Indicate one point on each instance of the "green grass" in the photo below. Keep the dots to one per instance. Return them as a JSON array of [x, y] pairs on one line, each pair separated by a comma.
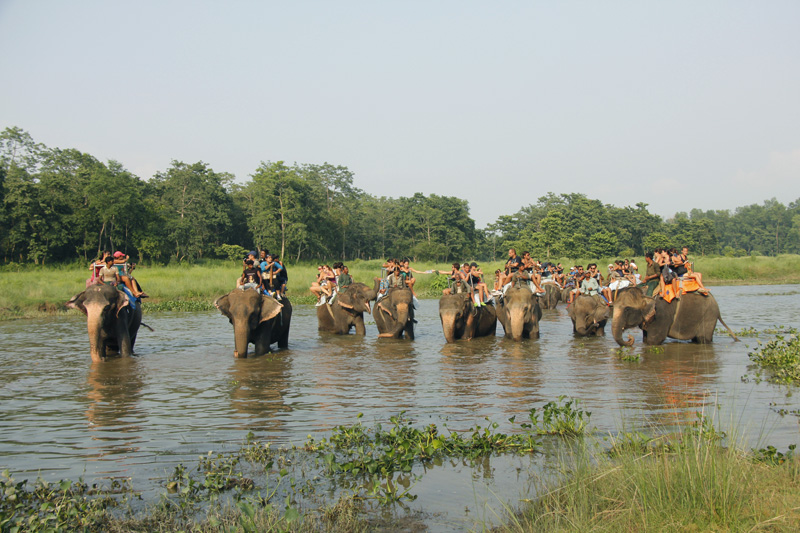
[[692, 484], [28, 291]]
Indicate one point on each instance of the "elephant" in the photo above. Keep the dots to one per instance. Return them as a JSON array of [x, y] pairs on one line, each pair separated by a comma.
[[589, 315], [551, 297], [462, 320], [112, 320], [257, 318], [519, 313], [394, 314], [347, 310], [692, 317], [565, 293]]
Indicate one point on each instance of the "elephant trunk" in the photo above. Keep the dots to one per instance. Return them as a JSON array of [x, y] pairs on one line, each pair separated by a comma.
[[617, 329], [94, 323], [517, 325], [402, 319], [449, 327], [240, 339]]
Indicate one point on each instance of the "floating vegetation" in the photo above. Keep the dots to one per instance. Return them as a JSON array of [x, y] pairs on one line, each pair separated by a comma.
[[625, 353], [358, 450], [656, 349], [565, 419], [753, 332], [771, 456], [780, 357], [60, 506]]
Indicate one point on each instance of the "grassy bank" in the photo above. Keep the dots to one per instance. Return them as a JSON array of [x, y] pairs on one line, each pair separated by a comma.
[[689, 485], [30, 291]]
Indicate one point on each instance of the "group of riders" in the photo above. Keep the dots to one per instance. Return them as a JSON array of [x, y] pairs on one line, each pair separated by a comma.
[[114, 269], [669, 274], [264, 272]]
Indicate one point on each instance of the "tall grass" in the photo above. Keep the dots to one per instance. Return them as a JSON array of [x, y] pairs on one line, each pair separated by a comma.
[[693, 484]]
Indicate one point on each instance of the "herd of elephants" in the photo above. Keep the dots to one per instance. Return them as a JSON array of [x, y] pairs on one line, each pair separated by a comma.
[[261, 320]]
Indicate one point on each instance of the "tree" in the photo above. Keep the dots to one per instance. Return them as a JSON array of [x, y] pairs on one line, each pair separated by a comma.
[[195, 207]]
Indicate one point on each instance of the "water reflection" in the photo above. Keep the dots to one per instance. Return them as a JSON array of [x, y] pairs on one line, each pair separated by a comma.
[[257, 387], [113, 412]]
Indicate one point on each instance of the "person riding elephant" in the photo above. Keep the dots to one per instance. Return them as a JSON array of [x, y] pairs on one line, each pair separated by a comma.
[[691, 317], [112, 319], [462, 320], [257, 318], [589, 314], [347, 310], [394, 313], [519, 312]]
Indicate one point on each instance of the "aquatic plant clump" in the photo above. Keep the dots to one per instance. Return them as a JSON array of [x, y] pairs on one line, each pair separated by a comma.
[[61, 506], [781, 358], [359, 450]]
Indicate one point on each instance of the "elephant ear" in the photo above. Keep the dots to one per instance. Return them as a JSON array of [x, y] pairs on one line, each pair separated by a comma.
[[345, 300], [122, 302], [76, 302], [223, 305], [387, 311], [270, 308]]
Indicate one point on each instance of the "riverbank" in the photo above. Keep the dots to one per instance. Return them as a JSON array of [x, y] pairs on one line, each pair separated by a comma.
[[31, 291]]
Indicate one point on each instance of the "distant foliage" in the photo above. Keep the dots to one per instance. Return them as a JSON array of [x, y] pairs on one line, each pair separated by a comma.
[[62, 205]]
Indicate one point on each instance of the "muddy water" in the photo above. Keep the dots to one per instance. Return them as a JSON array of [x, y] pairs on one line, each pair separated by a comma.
[[184, 394]]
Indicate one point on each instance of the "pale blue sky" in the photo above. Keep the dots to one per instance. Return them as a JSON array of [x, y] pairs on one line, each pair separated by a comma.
[[494, 102]]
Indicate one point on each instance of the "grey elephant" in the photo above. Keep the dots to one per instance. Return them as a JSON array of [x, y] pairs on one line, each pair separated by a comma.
[[551, 297], [257, 318], [565, 293], [394, 314], [519, 313], [589, 315], [347, 310], [692, 317], [462, 320], [112, 320]]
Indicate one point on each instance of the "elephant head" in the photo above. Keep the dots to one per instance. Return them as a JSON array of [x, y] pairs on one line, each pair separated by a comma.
[[347, 310], [253, 317], [394, 313], [631, 309], [520, 313], [457, 314], [110, 319], [589, 315], [356, 298]]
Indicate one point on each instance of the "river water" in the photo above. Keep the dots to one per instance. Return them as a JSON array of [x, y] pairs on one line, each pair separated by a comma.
[[185, 394]]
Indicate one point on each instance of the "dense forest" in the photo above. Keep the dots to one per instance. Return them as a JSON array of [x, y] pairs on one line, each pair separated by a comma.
[[62, 205]]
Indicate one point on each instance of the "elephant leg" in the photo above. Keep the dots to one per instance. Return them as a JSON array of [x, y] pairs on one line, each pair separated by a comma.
[[283, 340], [359, 324], [262, 345], [123, 337], [410, 328]]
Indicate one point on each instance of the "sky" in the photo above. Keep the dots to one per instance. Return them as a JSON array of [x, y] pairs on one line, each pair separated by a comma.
[[679, 104]]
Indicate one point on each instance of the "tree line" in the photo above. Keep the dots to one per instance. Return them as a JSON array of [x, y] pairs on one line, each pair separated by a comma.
[[61, 205]]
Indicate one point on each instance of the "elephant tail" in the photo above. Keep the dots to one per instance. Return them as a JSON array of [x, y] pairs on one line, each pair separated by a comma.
[[148, 327], [730, 331]]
